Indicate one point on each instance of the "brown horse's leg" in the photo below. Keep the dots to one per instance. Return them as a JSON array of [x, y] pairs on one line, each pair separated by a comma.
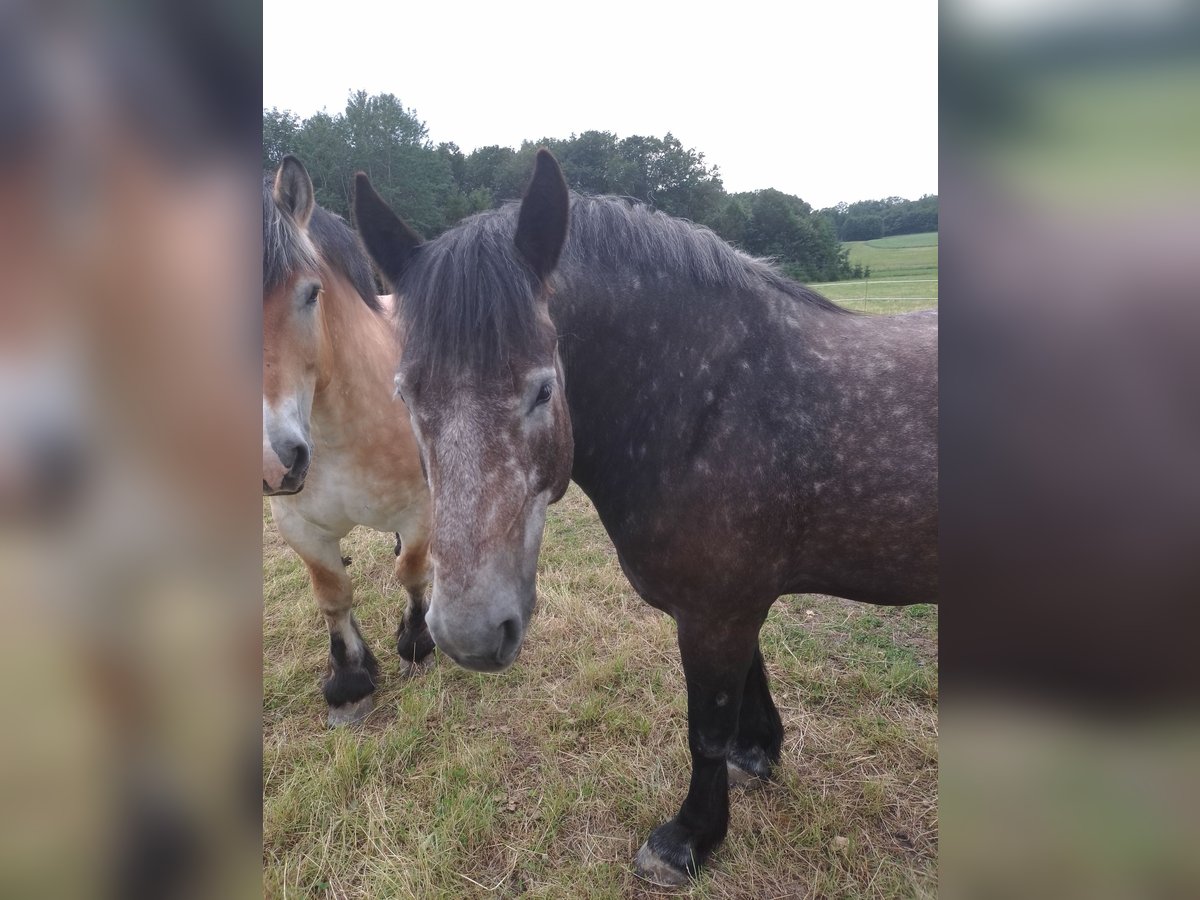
[[759, 737], [349, 685], [716, 659], [413, 641]]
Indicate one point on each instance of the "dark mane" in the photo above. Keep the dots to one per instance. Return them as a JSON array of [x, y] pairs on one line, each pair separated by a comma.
[[285, 250], [624, 235], [471, 301]]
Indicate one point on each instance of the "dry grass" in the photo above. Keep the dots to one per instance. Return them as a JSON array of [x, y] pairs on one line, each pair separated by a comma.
[[543, 782]]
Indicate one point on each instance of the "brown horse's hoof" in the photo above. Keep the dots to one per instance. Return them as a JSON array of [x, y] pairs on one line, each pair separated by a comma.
[[649, 866], [350, 713], [414, 646]]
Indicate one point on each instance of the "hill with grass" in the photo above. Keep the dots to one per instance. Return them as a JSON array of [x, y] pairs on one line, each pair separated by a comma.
[[903, 274]]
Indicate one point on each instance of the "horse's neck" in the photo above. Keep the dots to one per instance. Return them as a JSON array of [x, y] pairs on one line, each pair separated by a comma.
[[610, 318], [631, 349], [356, 385]]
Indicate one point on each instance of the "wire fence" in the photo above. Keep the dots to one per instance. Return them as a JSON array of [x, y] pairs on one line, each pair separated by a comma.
[[867, 282]]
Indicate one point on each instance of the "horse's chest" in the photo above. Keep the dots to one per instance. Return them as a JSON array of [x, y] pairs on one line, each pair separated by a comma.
[[345, 494]]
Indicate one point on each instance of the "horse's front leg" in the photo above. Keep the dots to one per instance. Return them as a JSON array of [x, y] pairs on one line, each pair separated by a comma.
[[349, 685], [413, 641], [716, 658]]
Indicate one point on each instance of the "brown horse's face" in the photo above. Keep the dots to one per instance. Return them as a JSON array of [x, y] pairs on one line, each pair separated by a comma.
[[496, 455], [292, 351], [294, 343]]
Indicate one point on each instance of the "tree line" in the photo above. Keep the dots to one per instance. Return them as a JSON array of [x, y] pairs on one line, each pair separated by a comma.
[[434, 186], [870, 219]]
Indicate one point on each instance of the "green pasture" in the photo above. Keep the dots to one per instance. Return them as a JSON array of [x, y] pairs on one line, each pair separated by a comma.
[[904, 275]]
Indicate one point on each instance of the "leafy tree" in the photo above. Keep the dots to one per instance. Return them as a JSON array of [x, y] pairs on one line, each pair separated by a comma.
[[454, 158], [586, 159], [862, 228], [897, 216], [730, 221], [783, 226], [435, 186], [323, 146], [279, 136], [379, 136], [511, 175], [482, 166], [665, 174]]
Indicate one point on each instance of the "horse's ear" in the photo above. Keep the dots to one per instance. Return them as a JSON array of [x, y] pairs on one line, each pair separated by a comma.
[[389, 240], [293, 190], [542, 224]]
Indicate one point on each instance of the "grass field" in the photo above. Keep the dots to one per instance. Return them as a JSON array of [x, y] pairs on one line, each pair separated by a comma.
[[901, 256], [904, 274], [544, 781]]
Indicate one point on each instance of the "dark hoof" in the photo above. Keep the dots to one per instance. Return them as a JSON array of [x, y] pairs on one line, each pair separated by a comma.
[[414, 646], [748, 767], [350, 713], [351, 684], [667, 858]]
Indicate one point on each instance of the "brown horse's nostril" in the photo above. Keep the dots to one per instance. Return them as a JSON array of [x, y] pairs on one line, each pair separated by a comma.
[[293, 455], [299, 463]]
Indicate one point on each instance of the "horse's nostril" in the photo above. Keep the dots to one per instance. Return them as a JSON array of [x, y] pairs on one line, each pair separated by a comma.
[[300, 462], [510, 638]]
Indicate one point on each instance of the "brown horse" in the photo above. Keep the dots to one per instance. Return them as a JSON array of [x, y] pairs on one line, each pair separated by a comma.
[[740, 436], [337, 447]]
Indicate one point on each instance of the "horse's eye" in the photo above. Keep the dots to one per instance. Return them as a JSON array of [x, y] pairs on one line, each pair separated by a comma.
[[544, 394], [314, 294]]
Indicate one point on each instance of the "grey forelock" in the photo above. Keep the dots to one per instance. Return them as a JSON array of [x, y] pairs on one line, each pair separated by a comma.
[[468, 303]]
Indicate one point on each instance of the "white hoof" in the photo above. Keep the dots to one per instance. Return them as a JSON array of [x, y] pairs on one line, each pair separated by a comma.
[[349, 713], [750, 769], [651, 867], [740, 778]]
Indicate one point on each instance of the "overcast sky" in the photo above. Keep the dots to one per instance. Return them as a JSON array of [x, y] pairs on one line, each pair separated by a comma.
[[828, 101]]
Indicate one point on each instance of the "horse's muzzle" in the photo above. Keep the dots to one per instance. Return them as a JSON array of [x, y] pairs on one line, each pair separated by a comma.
[[486, 649], [294, 460]]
